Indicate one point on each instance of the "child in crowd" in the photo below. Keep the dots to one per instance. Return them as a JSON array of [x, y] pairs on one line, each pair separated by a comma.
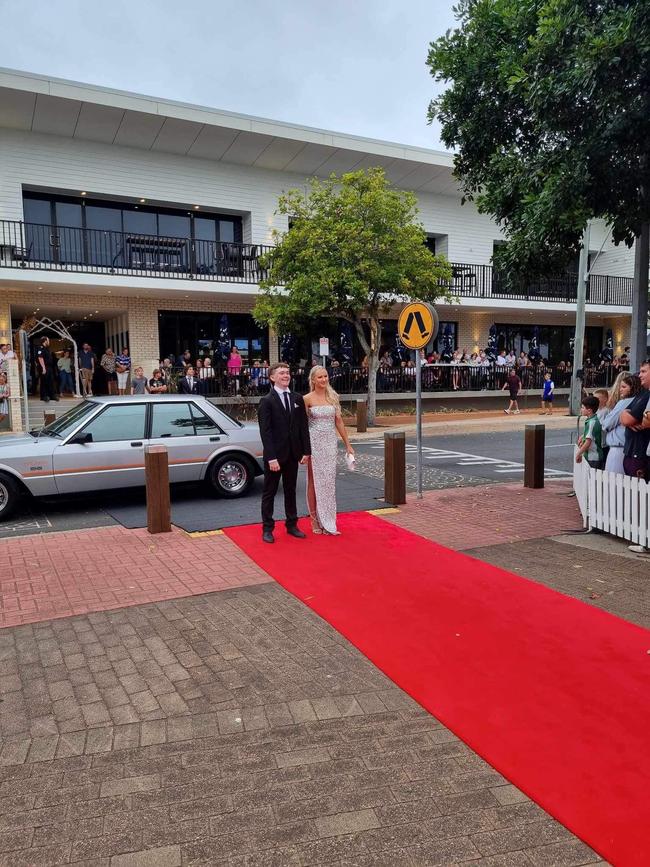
[[5, 392], [589, 444], [547, 395], [603, 399], [139, 382]]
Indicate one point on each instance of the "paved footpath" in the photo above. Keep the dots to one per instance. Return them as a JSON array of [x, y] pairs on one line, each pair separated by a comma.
[[162, 702]]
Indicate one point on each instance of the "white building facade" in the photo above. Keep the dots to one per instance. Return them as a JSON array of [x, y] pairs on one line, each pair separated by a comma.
[[138, 221]]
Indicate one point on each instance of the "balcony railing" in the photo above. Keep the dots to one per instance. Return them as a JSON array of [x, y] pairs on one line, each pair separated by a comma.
[[348, 379], [96, 251]]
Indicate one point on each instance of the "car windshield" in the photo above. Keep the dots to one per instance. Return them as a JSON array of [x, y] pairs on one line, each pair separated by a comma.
[[67, 422]]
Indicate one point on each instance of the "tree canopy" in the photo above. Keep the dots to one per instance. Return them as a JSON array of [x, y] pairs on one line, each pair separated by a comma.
[[548, 108], [353, 250]]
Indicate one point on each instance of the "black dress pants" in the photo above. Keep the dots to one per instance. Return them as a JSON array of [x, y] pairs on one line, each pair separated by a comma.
[[289, 474], [47, 385]]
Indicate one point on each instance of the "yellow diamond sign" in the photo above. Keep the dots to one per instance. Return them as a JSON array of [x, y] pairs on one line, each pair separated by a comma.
[[417, 325]]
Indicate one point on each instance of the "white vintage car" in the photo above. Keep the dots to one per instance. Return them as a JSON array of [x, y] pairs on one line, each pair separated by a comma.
[[99, 445]]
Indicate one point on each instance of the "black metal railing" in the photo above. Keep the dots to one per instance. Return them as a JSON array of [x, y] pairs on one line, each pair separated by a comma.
[[485, 281], [96, 251], [254, 381], [44, 247]]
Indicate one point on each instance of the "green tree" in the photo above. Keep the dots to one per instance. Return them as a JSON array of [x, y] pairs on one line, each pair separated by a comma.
[[354, 250], [548, 108]]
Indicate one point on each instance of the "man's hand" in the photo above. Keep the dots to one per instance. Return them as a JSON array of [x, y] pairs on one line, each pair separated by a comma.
[[274, 466], [304, 459], [578, 458]]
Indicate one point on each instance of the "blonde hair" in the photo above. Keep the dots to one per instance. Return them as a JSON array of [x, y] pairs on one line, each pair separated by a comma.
[[330, 395]]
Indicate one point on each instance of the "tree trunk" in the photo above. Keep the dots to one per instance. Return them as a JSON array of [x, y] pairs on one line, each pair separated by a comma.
[[639, 324], [373, 367]]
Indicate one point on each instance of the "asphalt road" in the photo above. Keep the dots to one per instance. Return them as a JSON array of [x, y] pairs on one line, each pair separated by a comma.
[[448, 461], [493, 456]]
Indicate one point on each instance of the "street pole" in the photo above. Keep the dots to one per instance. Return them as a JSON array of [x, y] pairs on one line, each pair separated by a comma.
[[639, 325], [418, 419], [578, 346]]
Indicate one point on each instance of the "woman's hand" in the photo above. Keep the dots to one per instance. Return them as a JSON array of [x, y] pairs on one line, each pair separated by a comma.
[[350, 451]]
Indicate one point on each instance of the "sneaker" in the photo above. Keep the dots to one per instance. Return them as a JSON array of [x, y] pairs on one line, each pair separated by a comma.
[[517, 412], [507, 411], [638, 549]]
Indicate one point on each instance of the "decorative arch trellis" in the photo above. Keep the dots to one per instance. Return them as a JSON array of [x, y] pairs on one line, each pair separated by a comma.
[[34, 326]]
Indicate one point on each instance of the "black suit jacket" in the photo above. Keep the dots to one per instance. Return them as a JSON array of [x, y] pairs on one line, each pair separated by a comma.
[[284, 436], [184, 386]]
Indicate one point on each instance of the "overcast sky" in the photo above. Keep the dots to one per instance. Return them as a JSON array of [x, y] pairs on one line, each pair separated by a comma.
[[354, 66]]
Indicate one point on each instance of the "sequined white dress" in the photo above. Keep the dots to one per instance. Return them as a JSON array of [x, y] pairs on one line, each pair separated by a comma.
[[322, 473]]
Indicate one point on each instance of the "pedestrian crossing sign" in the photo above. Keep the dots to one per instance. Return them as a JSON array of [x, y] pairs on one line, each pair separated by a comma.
[[417, 325]]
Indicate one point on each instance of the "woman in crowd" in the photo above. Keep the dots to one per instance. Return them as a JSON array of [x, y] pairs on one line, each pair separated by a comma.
[[123, 368], [5, 394], [325, 420], [234, 367], [626, 387], [107, 364], [64, 365]]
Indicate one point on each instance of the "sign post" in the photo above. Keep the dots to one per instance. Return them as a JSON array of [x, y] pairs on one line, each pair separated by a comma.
[[417, 327], [324, 344]]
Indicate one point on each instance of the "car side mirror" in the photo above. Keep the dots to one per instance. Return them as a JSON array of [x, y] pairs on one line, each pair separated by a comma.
[[81, 439]]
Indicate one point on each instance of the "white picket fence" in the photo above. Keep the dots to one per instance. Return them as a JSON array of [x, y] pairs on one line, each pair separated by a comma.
[[614, 503]]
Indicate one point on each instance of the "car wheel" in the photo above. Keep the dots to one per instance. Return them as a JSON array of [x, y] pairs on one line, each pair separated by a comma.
[[9, 496], [231, 476]]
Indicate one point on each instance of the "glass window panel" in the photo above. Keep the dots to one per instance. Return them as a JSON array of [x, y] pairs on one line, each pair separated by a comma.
[[172, 226], [38, 231], [118, 423], [226, 230], [105, 242], [140, 222], [172, 420], [68, 233], [37, 211], [203, 423], [205, 229]]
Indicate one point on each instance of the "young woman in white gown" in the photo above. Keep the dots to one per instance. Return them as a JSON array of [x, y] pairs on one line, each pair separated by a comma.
[[324, 415]]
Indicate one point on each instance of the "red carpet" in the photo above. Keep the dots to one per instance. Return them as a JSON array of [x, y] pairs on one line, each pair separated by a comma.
[[553, 693]]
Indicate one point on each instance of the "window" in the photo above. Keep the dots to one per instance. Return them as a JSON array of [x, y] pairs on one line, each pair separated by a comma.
[[118, 423], [430, 244], [172, 420], [204, 425]]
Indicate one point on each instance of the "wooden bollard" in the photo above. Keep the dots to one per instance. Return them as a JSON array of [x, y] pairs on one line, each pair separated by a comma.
[[362, 416], [534, 455], [395, 468], [49, 417], [156, 470]]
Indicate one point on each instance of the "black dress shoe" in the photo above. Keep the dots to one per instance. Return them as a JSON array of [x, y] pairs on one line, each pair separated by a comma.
[[267, 536], [294, 531]]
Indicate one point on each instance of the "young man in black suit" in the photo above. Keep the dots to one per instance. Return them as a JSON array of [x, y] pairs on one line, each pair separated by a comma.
[[285, 436], [188, 384]]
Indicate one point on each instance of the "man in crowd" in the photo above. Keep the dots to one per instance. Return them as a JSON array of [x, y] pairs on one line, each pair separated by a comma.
[[636, 420], [188, 384], [87, 368], [45, 363]]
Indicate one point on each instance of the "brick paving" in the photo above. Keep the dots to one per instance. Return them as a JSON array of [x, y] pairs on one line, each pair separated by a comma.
[[164, 724], [59, 574], [462, 518], [237, 728]]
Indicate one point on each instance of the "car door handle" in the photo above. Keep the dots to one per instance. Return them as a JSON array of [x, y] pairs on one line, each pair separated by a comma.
[[135, 445], [215, 439]]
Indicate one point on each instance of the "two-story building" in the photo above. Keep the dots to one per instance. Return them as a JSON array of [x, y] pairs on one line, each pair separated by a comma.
[[139, 221]]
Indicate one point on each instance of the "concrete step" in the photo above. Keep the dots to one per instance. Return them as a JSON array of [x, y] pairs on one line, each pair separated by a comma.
[[37, 409]]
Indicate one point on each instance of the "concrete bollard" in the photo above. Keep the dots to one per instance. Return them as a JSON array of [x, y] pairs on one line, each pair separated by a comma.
[[395, 468], [534, 455], [362, 416], [156, 470]]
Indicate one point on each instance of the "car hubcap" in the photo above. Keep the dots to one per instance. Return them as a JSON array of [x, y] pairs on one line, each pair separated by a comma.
[[4, 497], [232, 477]]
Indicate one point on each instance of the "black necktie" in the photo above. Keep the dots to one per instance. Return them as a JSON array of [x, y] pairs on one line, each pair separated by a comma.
[[287, 405]]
